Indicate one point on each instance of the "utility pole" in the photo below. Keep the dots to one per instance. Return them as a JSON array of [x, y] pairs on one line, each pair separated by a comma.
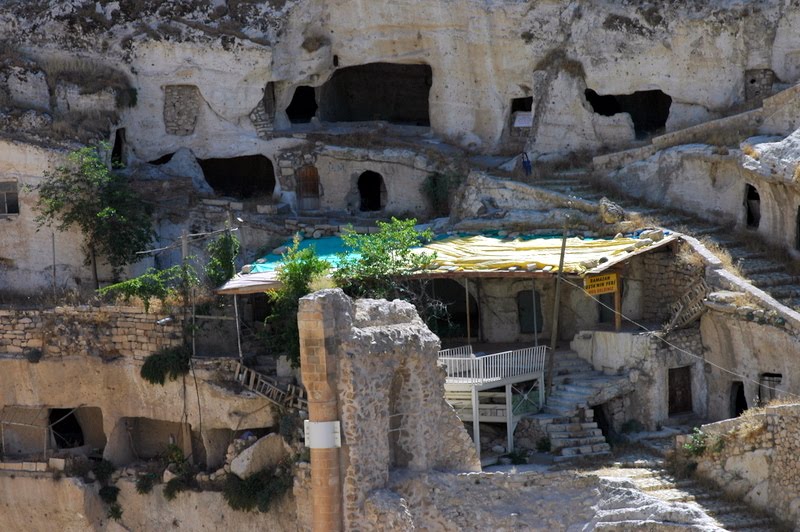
[[556, 308]]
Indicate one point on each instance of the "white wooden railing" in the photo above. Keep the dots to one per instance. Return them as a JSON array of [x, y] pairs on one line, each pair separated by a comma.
[[466, 368]]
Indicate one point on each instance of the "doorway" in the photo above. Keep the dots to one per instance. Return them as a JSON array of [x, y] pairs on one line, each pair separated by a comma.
[[308, 190], [738, 399], [679, 382], [65, 428], [752, 205], [371, 191]]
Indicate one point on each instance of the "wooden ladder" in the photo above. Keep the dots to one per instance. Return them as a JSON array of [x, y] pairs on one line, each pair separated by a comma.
[[288, 396]]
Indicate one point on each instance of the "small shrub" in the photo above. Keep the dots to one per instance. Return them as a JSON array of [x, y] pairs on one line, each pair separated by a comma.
[[680, 464], [177, 485], [103, 470], [169, 363], [518, 457], [78, 467], [543, 445], [153, 284], [145, 483], [439, 189], [288, 425], [718, 445], [750, 151], [221, 264], [115, 511], [33, 355], [259, 490], [696, 445], [109, 494]]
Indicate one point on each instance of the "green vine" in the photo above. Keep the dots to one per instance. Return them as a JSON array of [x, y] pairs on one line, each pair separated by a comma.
[[171, 363], [221, 264], [260, 490], [154, 284], [439, 188]]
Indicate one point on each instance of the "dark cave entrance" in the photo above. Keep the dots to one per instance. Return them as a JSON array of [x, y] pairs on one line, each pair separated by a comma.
[[378, 91], [303, 106], [738, 399], [649, 110], [454, 324], [752, 204], [118, 151], [240, 177], [371, 191], [65, 428]]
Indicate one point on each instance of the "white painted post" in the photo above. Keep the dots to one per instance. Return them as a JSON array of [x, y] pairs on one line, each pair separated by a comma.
[[476, 425], [509, 420]]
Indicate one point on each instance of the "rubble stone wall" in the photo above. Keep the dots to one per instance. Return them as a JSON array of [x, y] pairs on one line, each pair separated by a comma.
[[666, 279], [754, 458], [181, 103], [105, 332], [390, 396]]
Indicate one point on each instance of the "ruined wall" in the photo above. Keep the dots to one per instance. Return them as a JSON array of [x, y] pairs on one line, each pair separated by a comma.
[[666, 277], [381, 359], [754, 458]]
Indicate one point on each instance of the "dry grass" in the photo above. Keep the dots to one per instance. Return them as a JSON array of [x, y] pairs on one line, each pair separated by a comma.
[[796, 173], [723, 255], [750, 151]]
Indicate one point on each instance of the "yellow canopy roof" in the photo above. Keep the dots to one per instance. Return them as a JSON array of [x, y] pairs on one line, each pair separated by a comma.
[[481, 253]]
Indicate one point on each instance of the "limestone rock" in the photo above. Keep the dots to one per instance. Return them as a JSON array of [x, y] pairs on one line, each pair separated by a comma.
[[266, 452], [184, 164], [610, 212]]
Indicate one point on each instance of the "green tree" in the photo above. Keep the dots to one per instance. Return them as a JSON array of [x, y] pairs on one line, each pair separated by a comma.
[[376, 264], [115, 222], [222, 253], [298, 270]]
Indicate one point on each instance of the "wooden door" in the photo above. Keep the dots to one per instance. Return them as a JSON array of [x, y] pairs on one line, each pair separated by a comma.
[[680, 390], [308, 188]]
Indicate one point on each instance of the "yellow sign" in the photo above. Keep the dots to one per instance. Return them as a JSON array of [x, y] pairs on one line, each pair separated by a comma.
[[601, 284]]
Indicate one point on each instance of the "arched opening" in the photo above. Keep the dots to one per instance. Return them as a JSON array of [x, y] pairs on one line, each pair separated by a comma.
[[371, 191], [649, 110], [66, 430], [452, 296], [303, 106], [752, 205], [118, 151], [738, 399], [308, 188], [529, 312], [378, 91], [240, 177]]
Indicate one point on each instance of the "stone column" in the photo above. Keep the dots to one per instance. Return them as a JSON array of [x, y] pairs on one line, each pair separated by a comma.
[[316, 320]]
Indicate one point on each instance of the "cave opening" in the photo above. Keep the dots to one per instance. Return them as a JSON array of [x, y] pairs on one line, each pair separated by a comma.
[[65, 428], [649, 110], [118, 151], [395, 93], [371, 191], [303, 106], [249, 176], [752, 204]]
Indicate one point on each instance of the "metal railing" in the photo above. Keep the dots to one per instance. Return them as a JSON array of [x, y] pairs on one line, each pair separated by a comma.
[[469, 369], [461, 351]]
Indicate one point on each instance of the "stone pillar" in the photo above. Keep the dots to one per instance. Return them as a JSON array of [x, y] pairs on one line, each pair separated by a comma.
[[316, 320]]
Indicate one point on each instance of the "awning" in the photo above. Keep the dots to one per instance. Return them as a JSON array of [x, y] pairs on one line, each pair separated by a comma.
[[476, 256]]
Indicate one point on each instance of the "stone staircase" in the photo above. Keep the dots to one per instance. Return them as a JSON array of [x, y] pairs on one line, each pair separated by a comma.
[[760, 268], [568, 418], [650, 476]]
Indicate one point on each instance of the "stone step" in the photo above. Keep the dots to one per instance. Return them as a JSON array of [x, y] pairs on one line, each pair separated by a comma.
[[753, 266], [744, 521], [578, 425], [784, 292], [584, 433], [586, 449], [741, 252], [661, 483], [773, 279], [565, 403], [564, 458], [572, 393], [559, 410], [563, 443], [706, 230]]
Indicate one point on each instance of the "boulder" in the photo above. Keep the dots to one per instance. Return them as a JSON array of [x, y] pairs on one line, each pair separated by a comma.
[[269, 451]]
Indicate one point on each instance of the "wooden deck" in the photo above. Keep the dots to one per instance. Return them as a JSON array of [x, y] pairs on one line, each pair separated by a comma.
[[498, 387]]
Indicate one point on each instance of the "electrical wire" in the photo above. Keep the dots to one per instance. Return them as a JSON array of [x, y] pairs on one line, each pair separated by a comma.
[[680, 349]]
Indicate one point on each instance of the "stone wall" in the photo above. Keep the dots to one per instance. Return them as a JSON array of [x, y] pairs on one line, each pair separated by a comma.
[[381, 359], [181, 109], [648, 360], [106, 332], [666, 279], [755, 458]]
